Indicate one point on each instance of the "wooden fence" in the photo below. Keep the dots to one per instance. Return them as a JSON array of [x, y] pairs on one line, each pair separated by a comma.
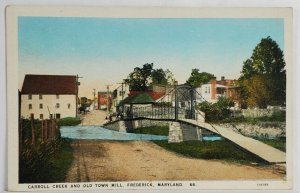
[[38, 132]]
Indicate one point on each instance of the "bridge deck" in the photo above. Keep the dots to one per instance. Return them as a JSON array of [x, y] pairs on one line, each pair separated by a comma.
[[262, 150]]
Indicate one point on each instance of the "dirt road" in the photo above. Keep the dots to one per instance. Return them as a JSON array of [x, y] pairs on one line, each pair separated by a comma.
[[143, 160], [95, 117]]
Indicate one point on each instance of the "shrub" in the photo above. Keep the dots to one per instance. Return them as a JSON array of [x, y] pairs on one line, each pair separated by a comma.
[[69, 121], [216, 111]]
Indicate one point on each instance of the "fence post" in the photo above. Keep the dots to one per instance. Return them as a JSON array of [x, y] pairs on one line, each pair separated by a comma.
[[20, 134], [32, 130], [50, 129], [46, 130], [53, 128], [42, 130]]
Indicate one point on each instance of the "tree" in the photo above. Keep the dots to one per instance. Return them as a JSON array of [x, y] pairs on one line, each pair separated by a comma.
[[258, 92], [159, 76], [139, 78], [266, 69], [197, 78]]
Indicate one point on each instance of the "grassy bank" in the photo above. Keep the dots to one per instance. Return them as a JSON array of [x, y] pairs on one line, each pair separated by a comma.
[[69, 121], [154, 130], [220, 150], [47, 163], [61, 162]]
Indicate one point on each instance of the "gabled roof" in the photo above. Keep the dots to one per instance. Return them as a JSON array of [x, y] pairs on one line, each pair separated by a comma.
[[153, 95], [49, 84], [141, 98]]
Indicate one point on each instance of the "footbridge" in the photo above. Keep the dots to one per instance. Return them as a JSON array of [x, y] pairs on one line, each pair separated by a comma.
[[262, 150], [179, 105]]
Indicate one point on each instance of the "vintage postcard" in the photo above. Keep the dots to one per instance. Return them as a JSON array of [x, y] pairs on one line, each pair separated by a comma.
[[149, 98]]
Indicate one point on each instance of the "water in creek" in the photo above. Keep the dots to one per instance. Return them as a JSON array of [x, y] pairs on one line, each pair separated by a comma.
[[97, 132]]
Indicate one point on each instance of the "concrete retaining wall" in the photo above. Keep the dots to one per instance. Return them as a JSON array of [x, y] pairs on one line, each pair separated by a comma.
[[178, 131]]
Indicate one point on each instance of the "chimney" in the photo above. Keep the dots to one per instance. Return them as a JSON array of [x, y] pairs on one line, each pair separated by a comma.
[[222, 78]]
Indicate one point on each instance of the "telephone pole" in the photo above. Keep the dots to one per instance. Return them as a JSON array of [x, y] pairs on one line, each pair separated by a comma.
[[107, 101], [122, 91], [94, 99], [77, 84]]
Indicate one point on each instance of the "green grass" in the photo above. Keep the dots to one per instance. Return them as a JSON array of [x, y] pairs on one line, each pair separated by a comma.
[[153, 130], [276, 143], [47, 163], [69, 121], [211, 150], [61, 162]]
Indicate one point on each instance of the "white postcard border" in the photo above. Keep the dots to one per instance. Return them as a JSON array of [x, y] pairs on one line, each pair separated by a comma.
[[140, 12]]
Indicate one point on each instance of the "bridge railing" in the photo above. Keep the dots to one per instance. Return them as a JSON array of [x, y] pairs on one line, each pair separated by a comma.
[[157, 112]]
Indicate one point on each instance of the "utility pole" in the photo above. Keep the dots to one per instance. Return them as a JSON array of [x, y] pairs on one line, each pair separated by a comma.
[[176, 100], [77, 84], [107, 102], [94, 105], [122, 83]]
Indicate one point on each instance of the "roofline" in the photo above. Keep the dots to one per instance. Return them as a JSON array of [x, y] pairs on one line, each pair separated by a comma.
[[48, 93], [49, 75]]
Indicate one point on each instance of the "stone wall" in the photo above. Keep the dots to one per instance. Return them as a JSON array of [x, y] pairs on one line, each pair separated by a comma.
[[258, 112], [260, 130], [179, 132], [175, 133], [189, 132], [149, 123], [116, 126], [129, 125]]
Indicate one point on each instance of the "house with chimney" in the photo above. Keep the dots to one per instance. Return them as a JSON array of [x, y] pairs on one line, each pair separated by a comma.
[[214, 89], [49, 96]]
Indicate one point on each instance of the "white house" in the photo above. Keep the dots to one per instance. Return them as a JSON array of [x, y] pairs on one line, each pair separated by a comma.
[[119, 94], [46, 96], [211, 91]]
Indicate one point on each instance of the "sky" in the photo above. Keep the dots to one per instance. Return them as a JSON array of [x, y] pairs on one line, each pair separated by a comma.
[[105, 50]]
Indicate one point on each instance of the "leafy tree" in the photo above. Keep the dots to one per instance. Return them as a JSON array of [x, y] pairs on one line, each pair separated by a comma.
[[170, 77], [264, 72], [197, 78], [159, 76], [258, 92], [139, 78]]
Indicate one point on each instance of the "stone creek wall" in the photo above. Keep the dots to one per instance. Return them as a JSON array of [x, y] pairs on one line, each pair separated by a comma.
[[261, 130], [129, 125], [178, 131]]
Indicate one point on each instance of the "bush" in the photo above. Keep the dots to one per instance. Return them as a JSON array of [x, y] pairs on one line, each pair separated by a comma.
[[215, 112], [69, 121]]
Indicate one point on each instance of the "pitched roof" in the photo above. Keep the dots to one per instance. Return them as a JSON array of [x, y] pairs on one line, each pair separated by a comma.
[[49, 84], [152, 94], [141, 98]]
